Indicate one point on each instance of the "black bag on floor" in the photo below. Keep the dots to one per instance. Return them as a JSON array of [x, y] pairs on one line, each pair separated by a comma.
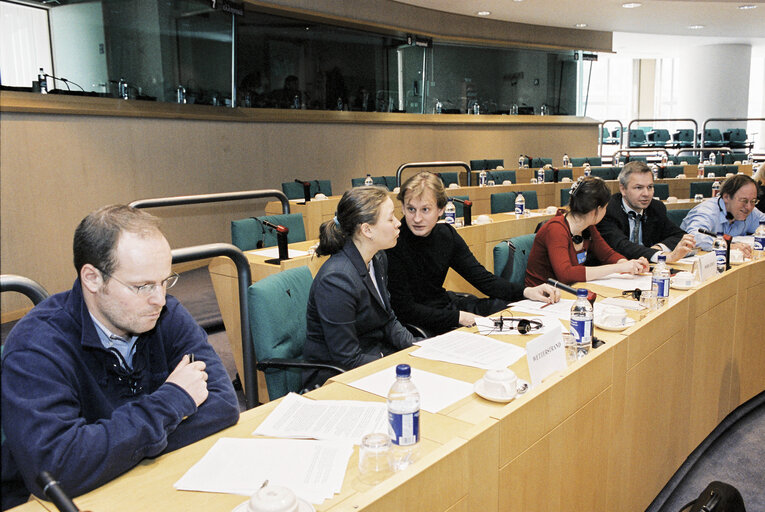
[[718, 497]]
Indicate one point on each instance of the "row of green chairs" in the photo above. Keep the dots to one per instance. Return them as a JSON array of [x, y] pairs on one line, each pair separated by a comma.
[[505, 201], [594, 161], [294, 190]]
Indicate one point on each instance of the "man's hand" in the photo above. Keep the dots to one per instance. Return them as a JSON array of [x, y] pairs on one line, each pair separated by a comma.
[[467, 319], [192, 378], [542, 293], [681, 250], [744, 248]]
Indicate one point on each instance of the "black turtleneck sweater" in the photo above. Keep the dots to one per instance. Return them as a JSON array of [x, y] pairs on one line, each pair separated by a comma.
[[417, 268]]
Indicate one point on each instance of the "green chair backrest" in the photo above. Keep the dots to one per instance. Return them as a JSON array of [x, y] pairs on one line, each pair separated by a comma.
[[701, 187], [605, 173], [729, 158], [735, 135], [480, 165], [712, 135], [678, 215], [672, 171], [637, 138], [540, 162], [390, 182], [635, 158], [459, 208], [565, 196], [718, 170], [503, 202], [531, 199], [562, 173], [501, 176], [660, 136], [376, 180], [578, 162], [661, 190], [449, 177], [277, 309], [690, 159], [246, 233], [512, 256], [294, 190]]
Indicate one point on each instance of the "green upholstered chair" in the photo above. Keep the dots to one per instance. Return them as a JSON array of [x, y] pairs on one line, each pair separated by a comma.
[[500, 176], [595, 161], [635, 158], [701, 187], [376, 180], [390, 182], [511, 258], [661, 190], [247, 233], [637, 139], [678, 215], [713, 138], [503, 202], [536, 163], [659, 137], [673, 171], [736, 138], [729, 158], [449, 177], [718, 170], [277, 310], [565, 196], [578, 162], [531, 199], [690, 159], [605, 173], [294, 190], [683, 138], [562, 173], [485, 165]]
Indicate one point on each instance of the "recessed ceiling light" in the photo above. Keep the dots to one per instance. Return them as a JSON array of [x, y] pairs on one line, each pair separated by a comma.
[[483, 13], [517, 0], [631, 5], [747, 7], [695, 27], [580, 25]]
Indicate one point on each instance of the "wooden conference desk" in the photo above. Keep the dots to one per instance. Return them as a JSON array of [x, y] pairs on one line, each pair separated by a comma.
[[605, 434]]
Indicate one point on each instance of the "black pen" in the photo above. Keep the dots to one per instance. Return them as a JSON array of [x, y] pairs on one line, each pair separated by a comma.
[[192, 358]]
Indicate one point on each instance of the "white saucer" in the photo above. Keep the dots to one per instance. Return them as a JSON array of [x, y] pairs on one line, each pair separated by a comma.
[[480, 391], [303, 506], [740, 262], [629, 322], [676, 286]]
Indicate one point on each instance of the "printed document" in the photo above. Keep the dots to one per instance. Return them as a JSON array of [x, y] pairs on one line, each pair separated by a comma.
[[469, 349]]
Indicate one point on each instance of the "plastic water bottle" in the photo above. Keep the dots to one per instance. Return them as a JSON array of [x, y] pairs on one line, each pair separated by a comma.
[[660, 281], [482, 178], [655, 171], [403, 417], [664, 160], [541, 175], [43, 81], [566, 160], [720, 248], [450, 212], [712, 158], [716, 188], [439, 106], [759, 242], [581, 323], [700, 174], [521, 162], [476, 108], [587, 169], [368, 181], [520, 204], [616, 160], [514, 109]]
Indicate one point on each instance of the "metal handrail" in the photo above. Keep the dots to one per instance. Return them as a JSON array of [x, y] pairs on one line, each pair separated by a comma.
[[642, 150], [670, 120], [159, 202], [432, 164], [201, 252], [600, 137], [32, 289], [734, 119]]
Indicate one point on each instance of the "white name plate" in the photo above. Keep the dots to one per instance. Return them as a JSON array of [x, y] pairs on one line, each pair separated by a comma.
[[546, 355], [705, 266]]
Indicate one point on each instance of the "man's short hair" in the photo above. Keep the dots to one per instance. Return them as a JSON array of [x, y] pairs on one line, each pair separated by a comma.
[[734, 183], [636, 166], [96, 237], [422, 181]]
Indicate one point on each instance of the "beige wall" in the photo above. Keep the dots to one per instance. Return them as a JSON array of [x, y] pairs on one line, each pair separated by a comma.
[[54, 169]]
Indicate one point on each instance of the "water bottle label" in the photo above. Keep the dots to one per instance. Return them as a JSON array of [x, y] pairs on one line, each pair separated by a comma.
[[519, 207], [581, 329], [587, 171], [404, 428], [661, 285], [481, 180], [759, 243], [720, 254], [450, 217]]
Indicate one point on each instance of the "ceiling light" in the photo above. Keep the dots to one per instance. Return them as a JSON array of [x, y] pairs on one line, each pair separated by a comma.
[[695, 27], [580, 25], [483, 13], [631, 5], [747, 7], [517, 0]]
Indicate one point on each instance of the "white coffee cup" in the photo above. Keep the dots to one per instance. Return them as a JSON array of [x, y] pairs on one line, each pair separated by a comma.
[[453, 185], [396, 190], [320, 196], [736, 256], [500, 168], [680, 177], [737, 162], [683, 163], [273, 498], [507, 182], [565, 179], [551, 210], [671, 199], [729, 174], [612, 316], [500, 382], [684, 279], [483, 219]]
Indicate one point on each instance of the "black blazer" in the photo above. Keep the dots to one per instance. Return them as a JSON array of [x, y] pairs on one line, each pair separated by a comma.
[[347, 323], [657, 228]]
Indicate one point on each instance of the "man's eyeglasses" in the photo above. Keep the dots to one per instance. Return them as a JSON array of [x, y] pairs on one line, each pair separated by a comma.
[[744, 201], [146, 290]]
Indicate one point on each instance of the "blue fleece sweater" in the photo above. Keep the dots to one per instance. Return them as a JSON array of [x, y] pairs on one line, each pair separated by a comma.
[[68, 407]]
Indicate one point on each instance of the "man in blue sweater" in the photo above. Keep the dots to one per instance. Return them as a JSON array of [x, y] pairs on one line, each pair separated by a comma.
[[99, 377]]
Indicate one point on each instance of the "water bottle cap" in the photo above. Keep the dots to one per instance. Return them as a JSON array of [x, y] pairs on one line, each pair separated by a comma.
[[581, 292], [403, 370], [719, 233], [663, 257]]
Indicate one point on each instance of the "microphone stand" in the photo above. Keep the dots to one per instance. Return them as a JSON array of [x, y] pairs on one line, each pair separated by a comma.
[[281, 241], [306, 189], [467, 206], [728, 241]]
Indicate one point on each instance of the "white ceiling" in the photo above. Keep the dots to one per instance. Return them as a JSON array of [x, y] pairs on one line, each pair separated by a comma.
[[723, 21]]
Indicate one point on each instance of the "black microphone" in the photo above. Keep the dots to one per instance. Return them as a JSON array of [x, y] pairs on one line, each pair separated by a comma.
[[705, 231], [467, 206], [53, 491], [306, 189], [591, 296], [281, 239]]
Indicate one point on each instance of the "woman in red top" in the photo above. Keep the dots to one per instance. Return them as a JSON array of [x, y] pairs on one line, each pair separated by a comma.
[[569, 248]]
